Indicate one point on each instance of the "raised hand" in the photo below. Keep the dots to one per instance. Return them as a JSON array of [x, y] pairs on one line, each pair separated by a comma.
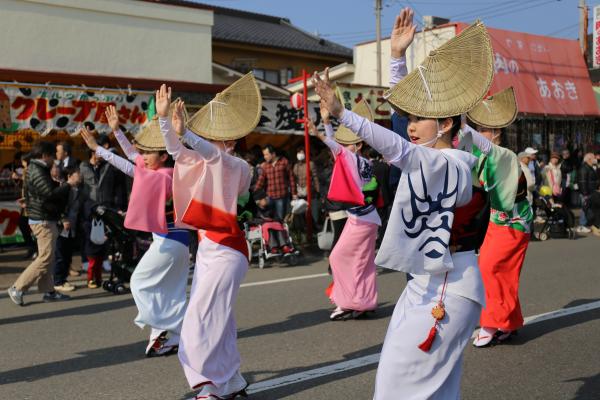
[[324, 113], [112, 117], [178, 118], [163, 101], [403, 33], [325, 91], [88, 138], [314, 131]]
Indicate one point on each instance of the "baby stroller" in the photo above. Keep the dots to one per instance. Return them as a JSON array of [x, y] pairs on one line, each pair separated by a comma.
[[558, 221], [258, 244], [125, 248]]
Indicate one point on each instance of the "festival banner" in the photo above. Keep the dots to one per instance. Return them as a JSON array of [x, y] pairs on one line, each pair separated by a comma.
[[549, 74], [43, 108], [9, 223], [353, 94], [279, 117]]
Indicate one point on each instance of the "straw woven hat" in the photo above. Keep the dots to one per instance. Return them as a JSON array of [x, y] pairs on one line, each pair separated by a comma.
[[497, 111], [232, 114], [345, 135], [150, 138], [451, 80]]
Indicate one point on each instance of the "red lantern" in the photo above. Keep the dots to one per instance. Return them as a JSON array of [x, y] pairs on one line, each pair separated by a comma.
[[297, 101]]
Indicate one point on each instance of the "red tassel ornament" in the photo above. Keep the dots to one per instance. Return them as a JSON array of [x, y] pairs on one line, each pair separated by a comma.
[[426, 345], [438, 312]]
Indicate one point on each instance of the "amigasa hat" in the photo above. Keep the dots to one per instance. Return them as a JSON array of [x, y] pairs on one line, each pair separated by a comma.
[[150, 138], [232, 114], [451, 80], [496, 111], [344, 135]]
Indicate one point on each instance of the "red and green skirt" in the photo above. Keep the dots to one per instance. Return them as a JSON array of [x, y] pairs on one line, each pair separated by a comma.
[[500, 261]]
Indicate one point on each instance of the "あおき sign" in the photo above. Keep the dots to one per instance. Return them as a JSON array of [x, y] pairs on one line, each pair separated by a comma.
[[42, 108]]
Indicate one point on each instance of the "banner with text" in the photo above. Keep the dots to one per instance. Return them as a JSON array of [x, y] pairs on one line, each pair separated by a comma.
[[44, 108]]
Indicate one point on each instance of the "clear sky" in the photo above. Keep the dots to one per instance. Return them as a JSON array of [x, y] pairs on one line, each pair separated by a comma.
[[353, 21]]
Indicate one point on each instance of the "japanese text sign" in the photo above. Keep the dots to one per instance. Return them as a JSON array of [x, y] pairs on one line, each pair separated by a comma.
[[42, 109], [549, 75]]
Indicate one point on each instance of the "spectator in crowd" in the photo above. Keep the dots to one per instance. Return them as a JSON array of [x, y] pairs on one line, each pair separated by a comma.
[[250, 158], [381, 171], [67, 233], [597, 155], [587, 182], [534, 166], [14, 167], [299, 171], [524, 159], [55, 173], [278, 180], [594, 214], [44, 200], [23, 218], [552, 176], [568, 170], [65, 160], [64, 157], [100, 188]]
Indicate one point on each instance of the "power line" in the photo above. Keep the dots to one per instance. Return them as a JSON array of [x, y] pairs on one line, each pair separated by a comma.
[[566, 28], [488, 17], [478, 11]]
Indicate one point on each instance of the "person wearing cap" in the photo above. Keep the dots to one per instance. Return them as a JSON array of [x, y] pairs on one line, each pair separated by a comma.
[[534, 166], [503, 250], [158, 283], [208, 181], [552, 176], [433, 220], [352, 259]]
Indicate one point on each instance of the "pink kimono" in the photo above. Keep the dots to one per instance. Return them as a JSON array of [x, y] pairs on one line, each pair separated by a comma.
[[206, 186], [352, 259]]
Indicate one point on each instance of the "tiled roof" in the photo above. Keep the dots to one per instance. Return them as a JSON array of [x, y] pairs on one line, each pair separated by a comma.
[[263, 30]]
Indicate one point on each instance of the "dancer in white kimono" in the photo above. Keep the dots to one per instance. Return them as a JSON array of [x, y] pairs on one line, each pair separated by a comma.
[[432, 215]]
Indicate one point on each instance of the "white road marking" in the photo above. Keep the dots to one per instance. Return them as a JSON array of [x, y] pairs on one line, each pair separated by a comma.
[[374, 358], [83, 284], [313, 373], [295, 278]]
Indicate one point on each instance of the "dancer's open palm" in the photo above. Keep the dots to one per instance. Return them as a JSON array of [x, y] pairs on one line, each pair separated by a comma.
[[403, 32], [163, 100], [326, 92], [88, 138], [112, 117], [178, 118]]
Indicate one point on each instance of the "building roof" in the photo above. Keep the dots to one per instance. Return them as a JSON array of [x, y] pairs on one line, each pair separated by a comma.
[[264, 30]]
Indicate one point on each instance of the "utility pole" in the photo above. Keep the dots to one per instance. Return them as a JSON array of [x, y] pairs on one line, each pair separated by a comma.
[[378, 29], [583, 27]]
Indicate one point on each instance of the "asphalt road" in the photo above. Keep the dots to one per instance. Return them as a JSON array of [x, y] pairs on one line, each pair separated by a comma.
[[88, 348]]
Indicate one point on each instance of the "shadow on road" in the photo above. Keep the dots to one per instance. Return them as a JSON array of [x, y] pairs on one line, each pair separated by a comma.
[[306, 320], [87, 360], [590, 389], [72, 311], [539, 329]]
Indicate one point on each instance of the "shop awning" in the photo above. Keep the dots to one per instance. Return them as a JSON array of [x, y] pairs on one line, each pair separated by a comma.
[[549, 74]]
